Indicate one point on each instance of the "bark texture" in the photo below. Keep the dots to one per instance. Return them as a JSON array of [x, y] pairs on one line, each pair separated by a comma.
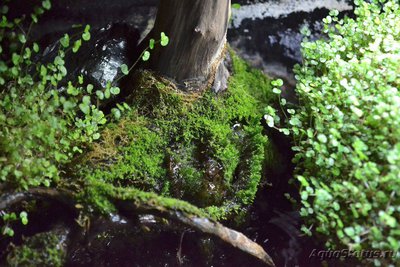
[[197, 31]]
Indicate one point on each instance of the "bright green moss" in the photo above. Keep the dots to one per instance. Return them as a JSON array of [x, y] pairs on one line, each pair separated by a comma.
[[139, 197], [251, 80], [206, 149], [138, 164]]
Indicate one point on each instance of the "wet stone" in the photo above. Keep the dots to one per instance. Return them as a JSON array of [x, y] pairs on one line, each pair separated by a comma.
[[99, 59]]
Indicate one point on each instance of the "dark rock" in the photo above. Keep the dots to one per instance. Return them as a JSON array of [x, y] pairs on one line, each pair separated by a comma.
[[99, 59]]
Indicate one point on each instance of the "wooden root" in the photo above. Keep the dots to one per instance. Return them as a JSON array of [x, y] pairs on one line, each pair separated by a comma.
[[65, 198], [202, 224], [230, 236]]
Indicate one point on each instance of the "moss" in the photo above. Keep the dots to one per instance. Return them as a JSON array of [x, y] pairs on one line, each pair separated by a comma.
[[139, 155], [252, 80], [139, 197], [44, 249], [206, 149]]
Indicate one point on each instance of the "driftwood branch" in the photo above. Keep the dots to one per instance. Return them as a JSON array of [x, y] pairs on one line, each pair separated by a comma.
[[63, 197], [230, 236], [181, 213], [202, 224]]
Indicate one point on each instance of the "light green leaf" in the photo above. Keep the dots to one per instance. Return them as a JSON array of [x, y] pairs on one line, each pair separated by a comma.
[[34, 18], [8, 231], [126, 106], [86, 36], [276, 91], [86, 100], [96, 136], [107, 93], [63, 71], [236, 6], [357, 111], [35, 47], [349, 231], [115, 90], [65, 41], [89, 88], [278, 82], [46, 4], [322, 138], [43, 71], [295, 122], [146, 56], [116, 112], [270, 120], [58, 61], [124, 69], [24, 217], [22, 38], [285, 131], [85, 108], [100, 94], [76, 46], [15, 58], [151, 43], [164, 39]]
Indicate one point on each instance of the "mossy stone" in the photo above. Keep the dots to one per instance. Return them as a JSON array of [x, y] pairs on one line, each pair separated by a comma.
[[207, 148]]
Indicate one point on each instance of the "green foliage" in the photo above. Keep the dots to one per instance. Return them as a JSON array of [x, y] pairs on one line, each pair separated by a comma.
[[347, 129], [207, 149], [41, 129], [145, 55], [7, 219], [44, 249], [44, 120], [253, 81]]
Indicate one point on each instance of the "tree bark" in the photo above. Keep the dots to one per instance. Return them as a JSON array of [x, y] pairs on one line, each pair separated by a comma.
[[197, 32]]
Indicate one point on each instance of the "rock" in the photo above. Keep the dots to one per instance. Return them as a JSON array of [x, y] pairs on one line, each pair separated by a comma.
[[99, 59]]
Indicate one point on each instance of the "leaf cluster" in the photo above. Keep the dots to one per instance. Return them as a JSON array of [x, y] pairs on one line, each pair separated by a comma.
[[45, 120], [347, 129]]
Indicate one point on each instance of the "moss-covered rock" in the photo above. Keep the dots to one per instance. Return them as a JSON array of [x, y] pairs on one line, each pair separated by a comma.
[[206, 149]]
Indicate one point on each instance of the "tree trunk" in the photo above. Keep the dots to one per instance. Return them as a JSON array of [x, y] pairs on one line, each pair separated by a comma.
[[197, 32]]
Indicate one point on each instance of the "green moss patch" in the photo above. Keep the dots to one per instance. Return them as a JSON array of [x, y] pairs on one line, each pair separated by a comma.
[[206, 149]]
